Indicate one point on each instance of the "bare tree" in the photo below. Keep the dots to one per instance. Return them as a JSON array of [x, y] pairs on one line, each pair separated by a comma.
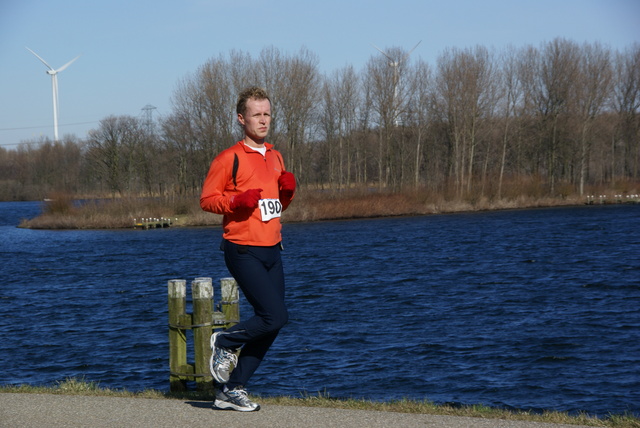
[[330, 128], [296, 101], [510, 100], [243, 72], [389, 89], [202, 122], [626, 102], [340, 107], [418, 108], [590, 95], [270, 74], [112, 149], [465, 92], [214, 108], [554, 76], [179, 146]]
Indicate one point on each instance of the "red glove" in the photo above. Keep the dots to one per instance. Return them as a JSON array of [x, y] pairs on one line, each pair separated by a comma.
[[287, 183], [248, 200]]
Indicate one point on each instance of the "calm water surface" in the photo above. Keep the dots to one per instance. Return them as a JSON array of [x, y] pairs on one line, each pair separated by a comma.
[[533, 309]]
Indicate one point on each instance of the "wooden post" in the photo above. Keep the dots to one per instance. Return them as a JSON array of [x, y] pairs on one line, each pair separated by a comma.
[[177, 335], [202, 322], [202, 293], [230, 302]]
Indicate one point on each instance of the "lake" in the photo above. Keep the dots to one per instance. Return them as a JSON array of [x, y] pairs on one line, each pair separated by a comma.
[[521, 309]]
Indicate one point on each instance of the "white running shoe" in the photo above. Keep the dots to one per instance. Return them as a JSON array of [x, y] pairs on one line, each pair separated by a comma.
[[234, 399], [221, 361]]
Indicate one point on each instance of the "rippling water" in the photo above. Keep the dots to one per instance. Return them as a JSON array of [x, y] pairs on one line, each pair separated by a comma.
[[531, 309]]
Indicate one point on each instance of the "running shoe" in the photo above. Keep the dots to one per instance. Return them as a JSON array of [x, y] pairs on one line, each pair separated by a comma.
[[221, 361], [234, 399]]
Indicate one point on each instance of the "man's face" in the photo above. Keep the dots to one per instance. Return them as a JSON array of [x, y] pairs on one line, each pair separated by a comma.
[[256, 119]]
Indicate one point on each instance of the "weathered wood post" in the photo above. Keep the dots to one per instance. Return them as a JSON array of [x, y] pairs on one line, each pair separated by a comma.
[[177, 335], [229, 303], [202, 294], [201, 322]]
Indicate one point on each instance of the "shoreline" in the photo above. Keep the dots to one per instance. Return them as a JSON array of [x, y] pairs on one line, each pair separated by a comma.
[[51, 410], [80, 394], [151, 213]]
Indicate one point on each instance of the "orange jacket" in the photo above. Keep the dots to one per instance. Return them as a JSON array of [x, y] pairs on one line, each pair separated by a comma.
[[254, 172]]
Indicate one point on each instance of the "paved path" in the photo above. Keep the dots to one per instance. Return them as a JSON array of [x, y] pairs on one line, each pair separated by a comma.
[[53, 411]]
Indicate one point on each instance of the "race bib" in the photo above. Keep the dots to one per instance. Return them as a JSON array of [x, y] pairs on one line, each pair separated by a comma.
[[270, 209]]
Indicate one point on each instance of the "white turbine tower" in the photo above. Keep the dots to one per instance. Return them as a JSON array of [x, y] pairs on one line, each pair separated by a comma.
[[54, 84], [395, 63]]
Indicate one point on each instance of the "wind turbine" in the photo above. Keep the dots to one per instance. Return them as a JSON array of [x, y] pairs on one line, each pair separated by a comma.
[[54, 84], [395, 63]]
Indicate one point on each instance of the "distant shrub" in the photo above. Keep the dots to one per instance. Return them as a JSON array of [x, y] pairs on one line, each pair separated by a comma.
[[58, 203]]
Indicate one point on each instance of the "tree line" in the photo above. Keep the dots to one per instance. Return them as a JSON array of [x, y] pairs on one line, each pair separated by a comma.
[[560, 117]]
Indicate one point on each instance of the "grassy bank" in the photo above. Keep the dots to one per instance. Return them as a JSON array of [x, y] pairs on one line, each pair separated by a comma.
[[81, 387], [63, 212]]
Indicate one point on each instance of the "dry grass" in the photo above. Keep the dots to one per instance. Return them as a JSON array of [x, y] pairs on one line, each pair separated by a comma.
[[63, 212], [319, 205]]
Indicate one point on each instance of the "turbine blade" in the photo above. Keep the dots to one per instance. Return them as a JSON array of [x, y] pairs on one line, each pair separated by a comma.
[[414, 48], [37, 56], [382, 52], [68, 64]]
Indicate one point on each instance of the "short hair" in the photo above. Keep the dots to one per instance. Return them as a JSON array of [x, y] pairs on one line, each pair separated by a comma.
[[254, 92]]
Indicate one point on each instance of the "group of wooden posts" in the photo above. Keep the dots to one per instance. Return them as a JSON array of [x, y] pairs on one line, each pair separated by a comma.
[[201, 322], [151, 223]]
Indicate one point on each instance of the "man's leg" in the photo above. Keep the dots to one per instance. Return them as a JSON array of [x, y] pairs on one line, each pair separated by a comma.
[[259, 273]]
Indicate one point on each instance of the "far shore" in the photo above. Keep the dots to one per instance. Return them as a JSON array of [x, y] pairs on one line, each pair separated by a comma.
[[64, 212]]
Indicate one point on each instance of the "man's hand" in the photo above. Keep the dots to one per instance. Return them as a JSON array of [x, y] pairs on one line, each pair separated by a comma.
[[287, 183], [246, 200]]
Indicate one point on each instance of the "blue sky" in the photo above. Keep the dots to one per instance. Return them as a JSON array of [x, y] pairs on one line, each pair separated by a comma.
[[135, 52]]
